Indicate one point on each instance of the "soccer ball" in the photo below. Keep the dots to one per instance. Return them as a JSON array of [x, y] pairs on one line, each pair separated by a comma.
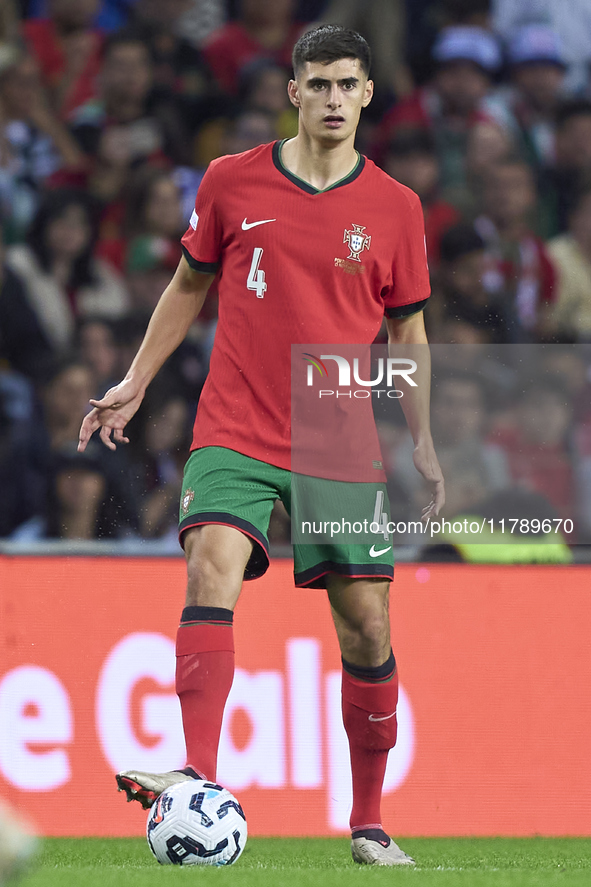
[[196, 823]]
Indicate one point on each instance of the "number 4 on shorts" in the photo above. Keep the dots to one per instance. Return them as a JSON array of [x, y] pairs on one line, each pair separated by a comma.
[[256, 276], [380, 517]]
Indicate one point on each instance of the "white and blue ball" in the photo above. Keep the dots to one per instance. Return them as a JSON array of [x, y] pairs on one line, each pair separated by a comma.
[[196, 823]]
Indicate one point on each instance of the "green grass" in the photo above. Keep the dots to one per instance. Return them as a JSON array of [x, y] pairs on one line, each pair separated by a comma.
[[274, 862]]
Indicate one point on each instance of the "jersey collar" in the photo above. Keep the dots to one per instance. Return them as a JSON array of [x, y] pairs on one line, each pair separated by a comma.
[[305, 186]]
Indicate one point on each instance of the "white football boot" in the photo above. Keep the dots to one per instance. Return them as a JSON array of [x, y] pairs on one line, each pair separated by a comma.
[[368, 852], [146, 787]]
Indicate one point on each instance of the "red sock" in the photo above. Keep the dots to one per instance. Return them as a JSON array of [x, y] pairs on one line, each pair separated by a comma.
[[204, 674], [370, 696]]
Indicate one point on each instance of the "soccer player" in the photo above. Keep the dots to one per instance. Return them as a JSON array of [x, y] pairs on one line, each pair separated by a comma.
[[272, 221]]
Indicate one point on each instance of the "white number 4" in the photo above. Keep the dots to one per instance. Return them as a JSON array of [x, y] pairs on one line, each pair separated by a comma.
[[256, 276], [380, 517]]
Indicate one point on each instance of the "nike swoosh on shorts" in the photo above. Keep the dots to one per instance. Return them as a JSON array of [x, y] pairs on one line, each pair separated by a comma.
[[374, 553]]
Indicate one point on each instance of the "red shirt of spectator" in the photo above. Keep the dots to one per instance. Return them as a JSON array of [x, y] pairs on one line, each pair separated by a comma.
[[517, 262], [264, 31], [68, 51]]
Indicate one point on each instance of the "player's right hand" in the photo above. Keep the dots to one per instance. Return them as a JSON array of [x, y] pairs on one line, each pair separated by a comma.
[[111, 414]]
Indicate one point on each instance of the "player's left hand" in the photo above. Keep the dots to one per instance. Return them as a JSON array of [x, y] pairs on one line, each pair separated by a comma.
[[427, 464]]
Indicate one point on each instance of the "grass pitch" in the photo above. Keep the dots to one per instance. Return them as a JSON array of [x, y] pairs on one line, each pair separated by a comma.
[[273, 862]]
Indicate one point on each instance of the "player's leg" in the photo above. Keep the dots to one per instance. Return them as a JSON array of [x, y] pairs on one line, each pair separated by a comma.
[[216, 559], [217, 556], [369, 698], [225, 511]]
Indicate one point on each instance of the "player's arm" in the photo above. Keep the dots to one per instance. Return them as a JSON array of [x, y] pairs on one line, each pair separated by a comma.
[[178, 307], [408, 336]]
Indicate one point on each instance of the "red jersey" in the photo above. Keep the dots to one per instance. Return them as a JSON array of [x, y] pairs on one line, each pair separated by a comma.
[[292, 271]]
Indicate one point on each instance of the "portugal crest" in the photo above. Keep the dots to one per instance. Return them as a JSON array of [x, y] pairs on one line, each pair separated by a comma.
[[188, 497], [357, 241]]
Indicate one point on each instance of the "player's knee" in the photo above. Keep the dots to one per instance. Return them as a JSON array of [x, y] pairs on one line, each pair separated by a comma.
[[374, 630], [367, 639]]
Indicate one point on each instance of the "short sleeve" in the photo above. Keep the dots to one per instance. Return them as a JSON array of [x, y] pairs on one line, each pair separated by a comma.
[[411, 286], [201, 243]]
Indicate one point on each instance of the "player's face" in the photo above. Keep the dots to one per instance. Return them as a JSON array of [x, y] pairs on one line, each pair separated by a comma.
[[330, 98]]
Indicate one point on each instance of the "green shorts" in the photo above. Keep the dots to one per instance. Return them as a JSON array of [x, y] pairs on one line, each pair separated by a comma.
[[221, 486]]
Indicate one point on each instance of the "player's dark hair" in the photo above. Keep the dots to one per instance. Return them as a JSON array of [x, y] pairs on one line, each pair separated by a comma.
[[330, 43]]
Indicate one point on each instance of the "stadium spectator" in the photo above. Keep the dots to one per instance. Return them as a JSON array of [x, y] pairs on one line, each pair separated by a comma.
[[86, 498], [56, 266], [152, 205], [181, 76], [77, 488], [34, 143], [572, 25], [97, 346], [537, 444], [263, 30], [569, 364], [461, 297], [411, 158], [21, 470], [474, 467], [426, 18], [150, 262], [247, 130], [121, 130], [488, 144], [467, 57], [263, 87], [201, 19], [561, 182], [163, 441], [65, 397], [383, 24], [530, 101], [68, 49], [517, 263], [570, 315], [23, 344]]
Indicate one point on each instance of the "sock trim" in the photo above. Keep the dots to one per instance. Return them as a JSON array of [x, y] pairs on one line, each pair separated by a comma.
[[368, 825], [207, 615], [378, 674]]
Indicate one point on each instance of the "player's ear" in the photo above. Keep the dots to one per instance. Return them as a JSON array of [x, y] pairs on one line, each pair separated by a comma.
[[293, 93], [368, 94]]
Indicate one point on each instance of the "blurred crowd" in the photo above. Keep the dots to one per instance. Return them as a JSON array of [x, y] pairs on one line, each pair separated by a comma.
[[111, 110]]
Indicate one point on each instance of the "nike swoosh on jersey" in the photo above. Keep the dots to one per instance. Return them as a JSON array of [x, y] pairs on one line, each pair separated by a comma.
[[374, 553], [246, 225], [387, 718]]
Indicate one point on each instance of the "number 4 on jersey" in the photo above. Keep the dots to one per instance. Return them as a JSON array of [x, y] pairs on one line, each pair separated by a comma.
[[256, 276]]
